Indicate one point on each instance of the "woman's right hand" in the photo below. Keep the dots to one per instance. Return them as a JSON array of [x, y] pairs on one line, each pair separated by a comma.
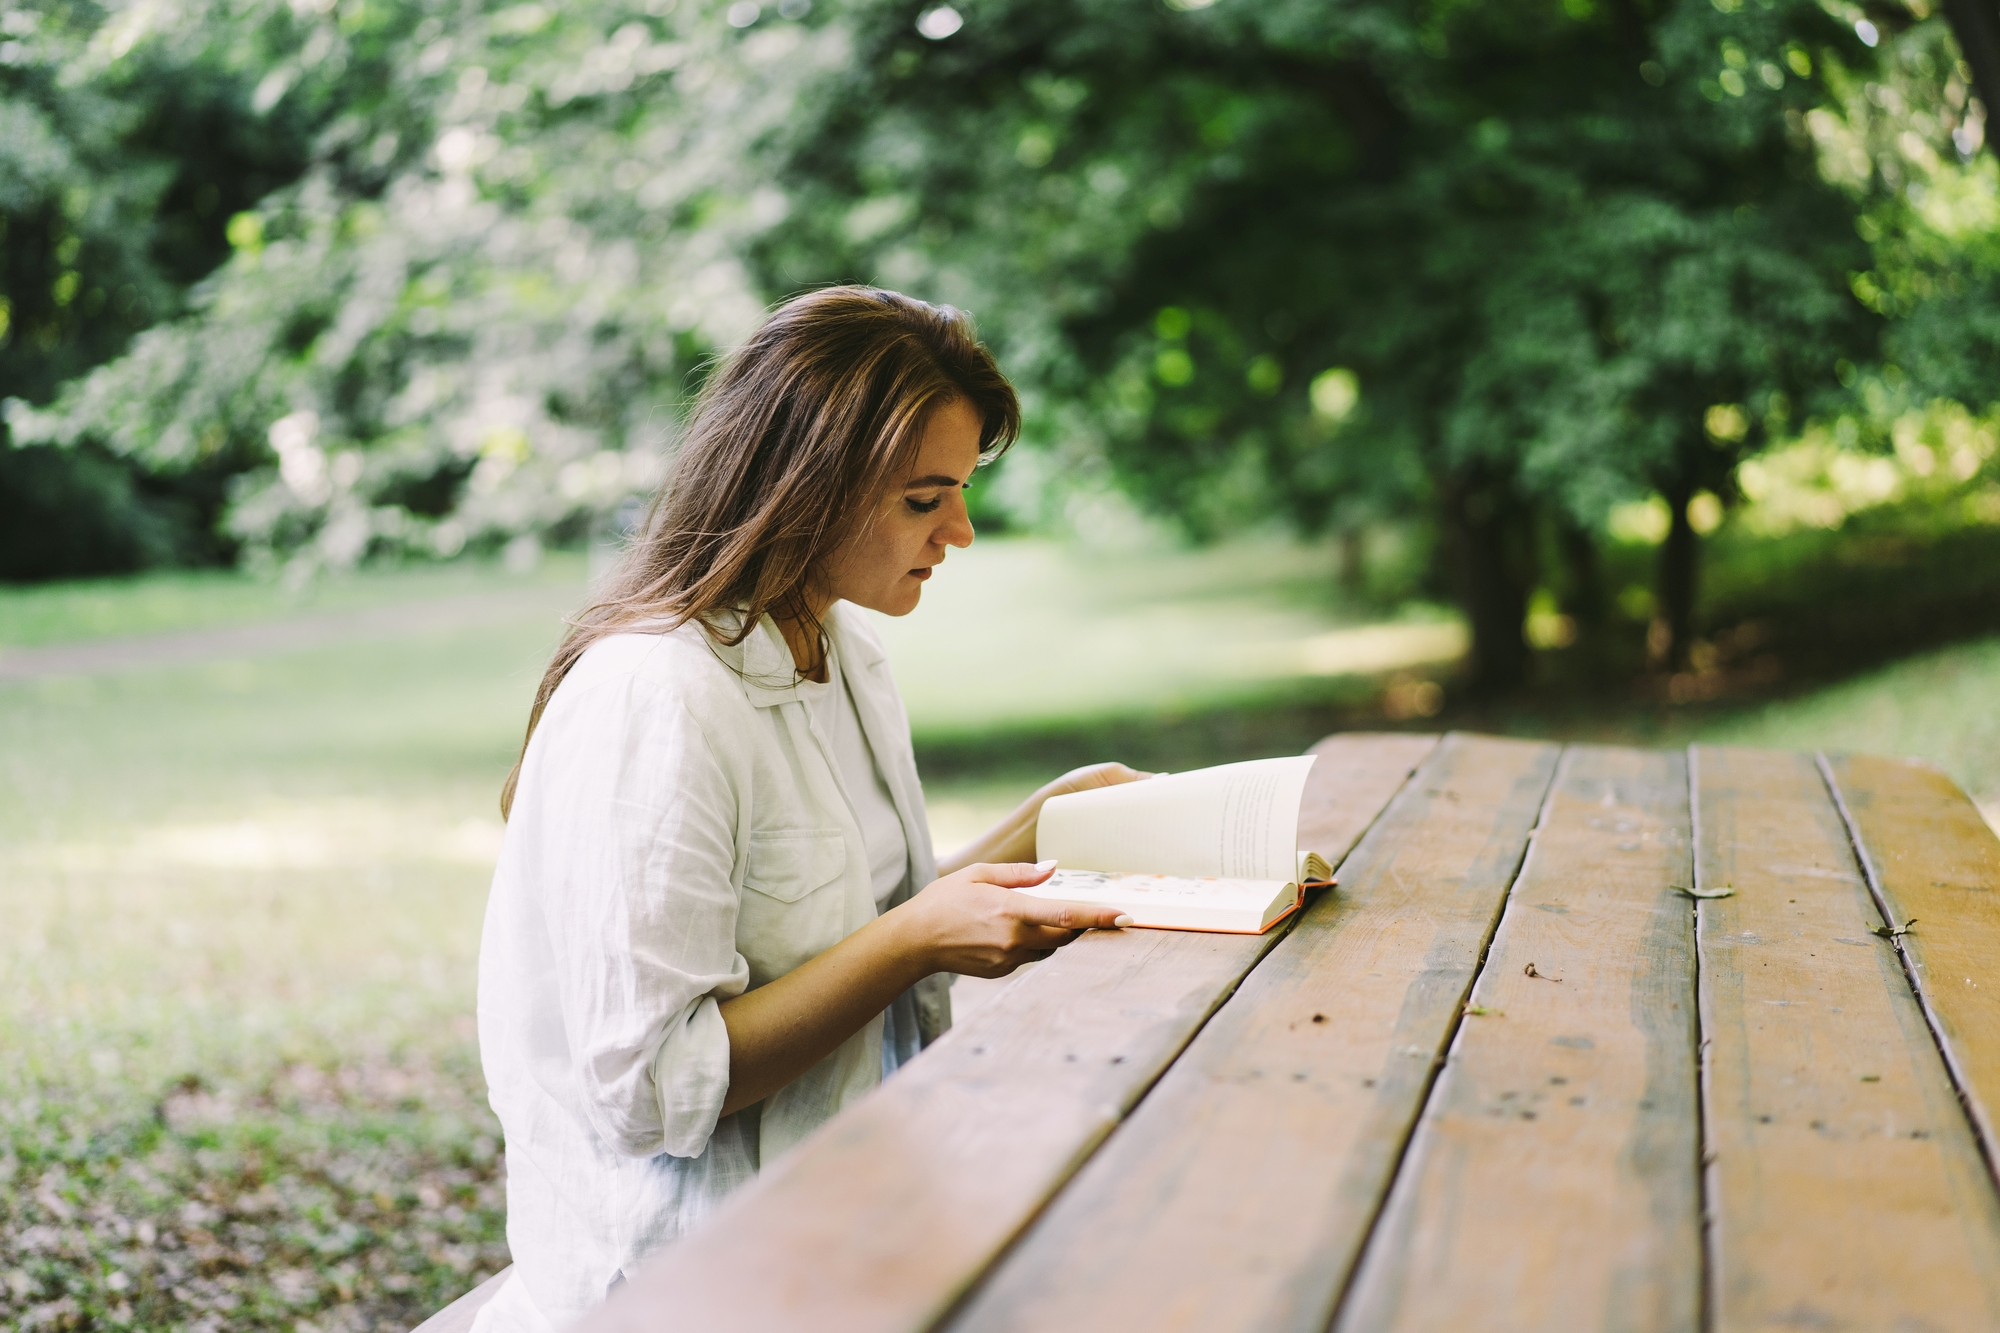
[[972, 922]]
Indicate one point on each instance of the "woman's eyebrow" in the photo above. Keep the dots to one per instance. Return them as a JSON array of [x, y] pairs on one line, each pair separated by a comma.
[[935, 479]]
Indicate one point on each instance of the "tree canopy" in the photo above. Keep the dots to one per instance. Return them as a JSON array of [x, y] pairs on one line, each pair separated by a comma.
[[1533, 245], [131, 137], [1491, 267]]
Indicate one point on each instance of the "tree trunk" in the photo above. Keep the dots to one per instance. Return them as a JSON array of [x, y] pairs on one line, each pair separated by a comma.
[[1976, 24], [1583, 597], [1480, 528], [1353, 561], [1678, 559]]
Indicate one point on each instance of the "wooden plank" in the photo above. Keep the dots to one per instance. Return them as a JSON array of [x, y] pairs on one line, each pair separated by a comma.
[[1844, 1186], [1357, 775], [458, 1316], [1934, 861], [1553, 1182], [1238, 1194], [881, 1219]]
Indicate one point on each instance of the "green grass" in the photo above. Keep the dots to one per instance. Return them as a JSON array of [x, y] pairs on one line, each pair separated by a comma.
[[1817, 605], [243, 906], [1943, 706], [1029, 633], [238, 1076], [210, 598]]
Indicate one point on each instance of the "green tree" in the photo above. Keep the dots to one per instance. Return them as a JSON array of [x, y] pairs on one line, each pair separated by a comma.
[[1496, 267], [1908, 144], [131, 136], [472, 317], [1543, 241]]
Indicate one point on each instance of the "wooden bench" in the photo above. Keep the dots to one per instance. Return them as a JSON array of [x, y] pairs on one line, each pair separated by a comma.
[[1586, 1038]]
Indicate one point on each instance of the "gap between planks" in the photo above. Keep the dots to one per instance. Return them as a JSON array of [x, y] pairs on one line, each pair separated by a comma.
[[1845, 1185], [1704, 1159], [1344, 1315], [1552, 1181], [1962, 834]]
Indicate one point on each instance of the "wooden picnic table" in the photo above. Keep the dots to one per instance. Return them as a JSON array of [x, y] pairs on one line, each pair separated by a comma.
[[1586, 1038]]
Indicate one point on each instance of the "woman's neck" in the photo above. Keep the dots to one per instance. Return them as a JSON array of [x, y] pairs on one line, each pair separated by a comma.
[[807, 645]]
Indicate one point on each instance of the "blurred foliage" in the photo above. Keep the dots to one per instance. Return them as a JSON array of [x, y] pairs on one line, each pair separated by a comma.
[[1490, 269], [129, 136], [472, 315]]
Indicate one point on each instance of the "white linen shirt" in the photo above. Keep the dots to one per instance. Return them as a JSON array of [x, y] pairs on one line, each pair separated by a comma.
[[679, 834], [832, 705]]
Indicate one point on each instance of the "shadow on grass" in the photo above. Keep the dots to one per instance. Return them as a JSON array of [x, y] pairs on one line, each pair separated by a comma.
[[1215, 730], [1786, 617], [1809, 608]]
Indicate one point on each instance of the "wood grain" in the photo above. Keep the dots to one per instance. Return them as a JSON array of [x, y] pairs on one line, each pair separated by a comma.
[[1553, 1182], [1357, 775], [1936, 862], [1238, 1194], [458, 1316], [882, 1218], [1845, 1189]]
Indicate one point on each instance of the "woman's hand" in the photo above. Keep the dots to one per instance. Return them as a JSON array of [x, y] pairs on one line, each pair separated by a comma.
[[1013, 838], [972, 921], [1084, 779]]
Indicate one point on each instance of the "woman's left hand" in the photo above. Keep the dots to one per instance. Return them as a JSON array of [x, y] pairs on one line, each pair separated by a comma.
[[1013, 838]]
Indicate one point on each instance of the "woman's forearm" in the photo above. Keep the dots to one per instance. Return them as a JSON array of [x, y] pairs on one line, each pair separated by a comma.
[[783, 1028], [971, 921]]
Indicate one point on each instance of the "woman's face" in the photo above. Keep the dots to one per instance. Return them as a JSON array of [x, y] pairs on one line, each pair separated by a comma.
[[884, 565]]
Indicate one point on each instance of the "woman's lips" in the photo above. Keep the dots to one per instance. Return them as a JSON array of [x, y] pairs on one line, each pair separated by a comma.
[[921, 574]]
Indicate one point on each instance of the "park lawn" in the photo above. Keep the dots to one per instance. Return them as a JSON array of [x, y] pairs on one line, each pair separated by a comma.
[[1024, 632], [244, 906], [194, 599], [1943, 706], [238, 1076]]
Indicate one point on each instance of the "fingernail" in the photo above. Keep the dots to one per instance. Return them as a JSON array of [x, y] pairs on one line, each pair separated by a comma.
[[1122, 922], [1043, 867]]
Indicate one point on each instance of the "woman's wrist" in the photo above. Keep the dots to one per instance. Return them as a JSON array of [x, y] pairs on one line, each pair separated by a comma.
[[908, 942]]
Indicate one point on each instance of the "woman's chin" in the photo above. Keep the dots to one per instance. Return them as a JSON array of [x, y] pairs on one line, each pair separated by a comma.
[[897, 601]]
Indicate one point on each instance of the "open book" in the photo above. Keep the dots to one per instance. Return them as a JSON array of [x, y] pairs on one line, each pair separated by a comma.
[[1213, 849]]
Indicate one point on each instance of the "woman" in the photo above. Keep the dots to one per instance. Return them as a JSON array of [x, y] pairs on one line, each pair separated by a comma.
[[716, 918]]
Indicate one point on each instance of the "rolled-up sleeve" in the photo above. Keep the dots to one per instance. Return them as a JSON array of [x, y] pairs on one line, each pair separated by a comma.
[[691, 1076], [641, 910]]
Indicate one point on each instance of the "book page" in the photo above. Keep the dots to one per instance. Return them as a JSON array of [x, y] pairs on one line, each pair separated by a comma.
[[1237, 821], [1095, 886], [1247, 906]]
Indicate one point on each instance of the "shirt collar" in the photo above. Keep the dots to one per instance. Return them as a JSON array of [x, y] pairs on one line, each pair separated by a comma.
[[851, 638], [763, 661]]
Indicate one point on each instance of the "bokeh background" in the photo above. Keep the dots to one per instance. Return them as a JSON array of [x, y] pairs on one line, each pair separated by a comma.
[[1601, 369]]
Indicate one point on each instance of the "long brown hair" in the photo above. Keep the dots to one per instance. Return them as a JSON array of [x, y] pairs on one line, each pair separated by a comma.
[[791, 438]]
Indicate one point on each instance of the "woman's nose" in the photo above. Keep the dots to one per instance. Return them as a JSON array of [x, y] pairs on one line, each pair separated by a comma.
[[958, 531]]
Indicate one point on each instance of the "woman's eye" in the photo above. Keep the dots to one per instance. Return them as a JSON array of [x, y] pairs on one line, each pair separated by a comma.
[[925, 506]]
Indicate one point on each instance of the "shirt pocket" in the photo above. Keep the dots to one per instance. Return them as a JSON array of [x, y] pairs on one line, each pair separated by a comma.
[[791, 909], [787, 864]]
